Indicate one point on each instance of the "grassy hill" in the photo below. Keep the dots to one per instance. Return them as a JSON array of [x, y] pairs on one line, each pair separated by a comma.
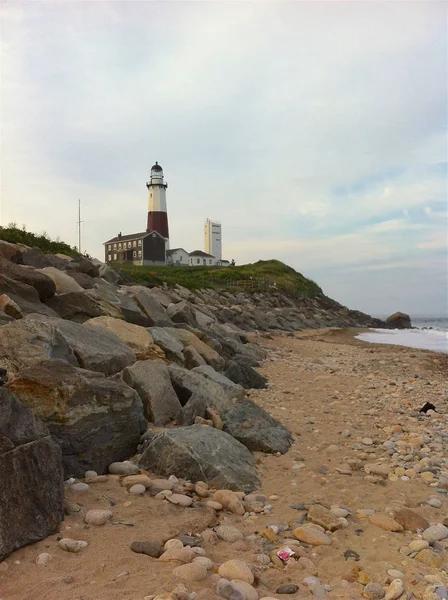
[[16, 235], [256, 276]]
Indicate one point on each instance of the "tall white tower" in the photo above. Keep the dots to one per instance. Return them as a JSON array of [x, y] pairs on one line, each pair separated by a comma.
[[157, 214], [212, 238]]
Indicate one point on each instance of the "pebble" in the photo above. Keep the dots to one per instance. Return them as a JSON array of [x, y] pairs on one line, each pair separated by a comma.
[[3, 566], [90, 474], [429, 558], [417, 545], [43, 558], [214, 505], [180, 500], [204, 561], [442, 592], [132, 480], [435, 533], [320, 515], [435, 502], [245, 588], [410, 520], [385, 522], [97, 517], [312, 536], [288, 588], [173, 543], [80, 487], [395, 574], [190, 572], [230, 534], [124, 468], [189, 540], [225, 589], [72, 545], [236, 569], [137, 490], [373, 591], [395, 589], [184, 555], [149, 548]]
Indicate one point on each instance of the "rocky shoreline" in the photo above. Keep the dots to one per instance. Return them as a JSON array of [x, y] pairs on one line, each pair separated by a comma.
[[187, 436]]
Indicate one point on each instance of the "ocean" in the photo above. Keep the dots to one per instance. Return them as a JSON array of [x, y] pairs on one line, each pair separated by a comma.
[[428, 333]]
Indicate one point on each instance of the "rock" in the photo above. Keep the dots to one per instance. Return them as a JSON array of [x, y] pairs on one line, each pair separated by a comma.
[[320, 515], [63, 282], [180, 499], [107, 273], [255, 428], [43, 285], [149, 304], [417, 545], [173, 543], [373, 591], [244, 375], [430, 558], [153, 549], [192, 572], [151, 380], [435, 502], [80, 487], [193, 358], [233, 390], [31, 493], [201, 453], [187, 338], [410, 520], [43, 559], [230, 501], [95, 349], [9, 307], [114, 302], [435, 533], [385, 522], [182, 312], [312, 536], [247, 591], [124, 468], [137, 490], [204, 561], [70, 545], [27, 342], [395, 590], [229, 534], [399, 320], [79, 306], [131, 480], [96, 421], [136, 337], [172, 347], [184, 555], [190, 540], [97, 517], [288, 588], [236, 569]]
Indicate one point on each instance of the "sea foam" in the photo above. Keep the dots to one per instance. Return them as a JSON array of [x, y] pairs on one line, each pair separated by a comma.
[[426, 339]]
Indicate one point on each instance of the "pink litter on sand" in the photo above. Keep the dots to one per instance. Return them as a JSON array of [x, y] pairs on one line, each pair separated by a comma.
[[285, 553]]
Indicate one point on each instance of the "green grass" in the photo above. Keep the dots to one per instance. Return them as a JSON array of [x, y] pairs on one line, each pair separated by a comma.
[[263, 274], [15, 235]]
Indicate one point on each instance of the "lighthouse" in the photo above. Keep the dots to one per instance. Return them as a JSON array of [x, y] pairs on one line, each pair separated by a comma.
[[157, 215]]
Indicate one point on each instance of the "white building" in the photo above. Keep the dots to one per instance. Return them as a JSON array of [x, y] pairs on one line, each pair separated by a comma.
[[197, 258], [177, 257], [212, 239]]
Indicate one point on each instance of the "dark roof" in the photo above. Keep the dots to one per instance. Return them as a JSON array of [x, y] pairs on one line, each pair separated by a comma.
[[200, 253], [125, 238], [173, 250], [156, 167]]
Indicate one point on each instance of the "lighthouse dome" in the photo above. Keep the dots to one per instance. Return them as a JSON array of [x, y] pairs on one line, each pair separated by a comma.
[[156, 167]]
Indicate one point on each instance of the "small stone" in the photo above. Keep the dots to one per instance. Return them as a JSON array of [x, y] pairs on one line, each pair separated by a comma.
[[191, 572], [124, 468], [385, 522], [43, 559], [274, 497], [79, 487], [225, 589], [180, 499], [395, 589], [97, 517], [153, 549], [189, 540], [3, 566], [204, 561], [435, 533], [339, 512], [173, 543], [184, 555], [288, 588], [230, 534], [318, 591], [430, 558], [244, 588], [410, 520], [442, 592], [417, 545], [435, 502], [363, 578], [320, 515], [312, 536], [90, 474], [367, 441], [373, 591], [395, 574], [137, 490], [214, 505], [236, 569], [70, 545], [131, 480]]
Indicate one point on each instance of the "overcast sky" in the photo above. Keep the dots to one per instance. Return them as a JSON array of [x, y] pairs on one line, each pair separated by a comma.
[[316, 132]]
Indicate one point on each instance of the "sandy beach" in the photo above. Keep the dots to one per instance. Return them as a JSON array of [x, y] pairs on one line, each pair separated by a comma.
[[349, 405]]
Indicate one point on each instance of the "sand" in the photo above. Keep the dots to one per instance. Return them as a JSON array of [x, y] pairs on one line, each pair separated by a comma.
[[322, 384]]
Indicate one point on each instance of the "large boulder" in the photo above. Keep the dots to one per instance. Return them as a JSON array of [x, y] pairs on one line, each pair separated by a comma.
[[95, 349], [44, 286], [63, 282], [25, 296], [151, 380], [12, 252], [399, 320], [187, 338], [233, 390], [31, 493], [76, 306], [163, 297], [28, 341], [193, 388], [255, 428], [202, 453], [116, 303], [110, 275], [169, 343], [136, 337], [182, 312], [245, 375], [153, 309], [95, 420]]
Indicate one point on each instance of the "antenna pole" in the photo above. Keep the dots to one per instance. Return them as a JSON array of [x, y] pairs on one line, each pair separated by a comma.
[[79, 226]]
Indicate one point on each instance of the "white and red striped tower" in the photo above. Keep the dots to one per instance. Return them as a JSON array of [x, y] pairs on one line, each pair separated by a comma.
[[157, 215]]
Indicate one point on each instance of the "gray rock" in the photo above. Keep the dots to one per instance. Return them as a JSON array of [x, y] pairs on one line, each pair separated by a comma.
[[435, 533], [125, 467], [155, 312], [153, 549], [31, 493], [25, 296], [255, 428], [244, 375], [233, 390], [288, 588], [96, 421], [116, 303], [201, 453], [76, 306], [182, 312], [192, 357], [151, 380], [44, 286], [110, 275], [172, 347], [95, 349]]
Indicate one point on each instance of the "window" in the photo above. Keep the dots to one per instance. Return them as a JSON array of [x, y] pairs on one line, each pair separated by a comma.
[[115, 257], [134, 253], [209, 261], [109, 247], [119, 245], [129, 244], [115, 246], [139, 252], [198, 261], [134, 243], [109, 257], [139, 242]]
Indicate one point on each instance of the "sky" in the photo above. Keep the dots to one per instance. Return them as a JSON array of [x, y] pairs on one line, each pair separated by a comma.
[[315, 132]]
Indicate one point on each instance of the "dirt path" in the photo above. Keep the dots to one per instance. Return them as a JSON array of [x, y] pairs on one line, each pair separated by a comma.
[[343, 400]]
